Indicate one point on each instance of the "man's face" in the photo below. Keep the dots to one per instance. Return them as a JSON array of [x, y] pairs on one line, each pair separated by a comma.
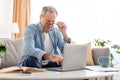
[[47, 21]]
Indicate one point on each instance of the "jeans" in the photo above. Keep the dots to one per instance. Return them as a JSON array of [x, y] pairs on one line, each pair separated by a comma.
[[34, 62]]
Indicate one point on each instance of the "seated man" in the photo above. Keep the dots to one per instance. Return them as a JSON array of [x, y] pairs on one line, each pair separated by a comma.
[[42, 41]]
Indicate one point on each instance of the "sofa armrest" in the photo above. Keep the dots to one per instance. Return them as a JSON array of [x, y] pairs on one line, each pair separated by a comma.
[[97, 52]]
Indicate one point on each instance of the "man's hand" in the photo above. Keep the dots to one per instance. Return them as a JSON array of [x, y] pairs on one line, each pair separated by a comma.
[[57, 59], [62, 27], [54, 58]]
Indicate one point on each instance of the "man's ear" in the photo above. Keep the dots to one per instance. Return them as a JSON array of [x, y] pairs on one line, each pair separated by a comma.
[[41, 16]]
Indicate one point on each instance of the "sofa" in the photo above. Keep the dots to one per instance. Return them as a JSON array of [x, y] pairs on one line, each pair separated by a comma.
[[15, 49]]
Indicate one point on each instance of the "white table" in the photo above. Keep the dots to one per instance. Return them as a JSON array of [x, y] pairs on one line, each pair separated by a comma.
[[52, 75]]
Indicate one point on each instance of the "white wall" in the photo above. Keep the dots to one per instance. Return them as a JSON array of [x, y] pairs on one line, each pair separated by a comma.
[[86, 19], [6, 8]]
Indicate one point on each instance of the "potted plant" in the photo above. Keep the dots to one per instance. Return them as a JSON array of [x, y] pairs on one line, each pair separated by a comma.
[[2, 49]]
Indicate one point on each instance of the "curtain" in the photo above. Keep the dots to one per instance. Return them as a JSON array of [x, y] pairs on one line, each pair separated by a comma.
[[21, 15]]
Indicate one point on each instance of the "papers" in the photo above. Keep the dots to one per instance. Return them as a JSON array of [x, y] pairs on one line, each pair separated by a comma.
[[102, 69]]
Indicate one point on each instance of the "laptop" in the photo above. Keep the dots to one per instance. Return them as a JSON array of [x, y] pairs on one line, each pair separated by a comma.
[[74, 58]]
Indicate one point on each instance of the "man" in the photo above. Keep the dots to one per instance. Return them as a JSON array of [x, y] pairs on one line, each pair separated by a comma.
[[42, 41]]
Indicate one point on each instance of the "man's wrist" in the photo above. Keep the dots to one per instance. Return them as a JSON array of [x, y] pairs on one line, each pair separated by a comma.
[[65, 37], [69, 40]]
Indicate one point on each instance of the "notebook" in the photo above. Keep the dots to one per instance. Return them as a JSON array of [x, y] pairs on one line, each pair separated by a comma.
[[74, 58]]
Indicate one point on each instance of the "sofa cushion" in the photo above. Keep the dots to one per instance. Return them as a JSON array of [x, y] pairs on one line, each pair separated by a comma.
[[98, 52], [89, 58], [14, 49]]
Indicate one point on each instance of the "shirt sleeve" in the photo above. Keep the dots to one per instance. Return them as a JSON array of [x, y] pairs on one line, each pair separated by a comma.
[[29, 48], [61, 41]]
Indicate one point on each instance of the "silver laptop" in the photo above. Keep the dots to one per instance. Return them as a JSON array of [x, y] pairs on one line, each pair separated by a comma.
[[74, 58]]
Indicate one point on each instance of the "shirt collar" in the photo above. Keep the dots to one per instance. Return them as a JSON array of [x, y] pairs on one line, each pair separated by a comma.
[[40, 27]]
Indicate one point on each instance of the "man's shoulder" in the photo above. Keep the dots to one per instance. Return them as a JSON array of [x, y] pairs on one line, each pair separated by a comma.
[[35, 26]]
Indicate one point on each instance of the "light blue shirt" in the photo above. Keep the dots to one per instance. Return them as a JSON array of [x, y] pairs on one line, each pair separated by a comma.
[[34, 42]]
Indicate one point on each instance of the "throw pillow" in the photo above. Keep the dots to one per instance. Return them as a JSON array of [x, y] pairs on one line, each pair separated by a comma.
[[89, 59], [14, 49]]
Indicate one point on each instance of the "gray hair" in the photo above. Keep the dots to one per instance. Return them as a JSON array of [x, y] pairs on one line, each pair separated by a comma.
[[50, 9]]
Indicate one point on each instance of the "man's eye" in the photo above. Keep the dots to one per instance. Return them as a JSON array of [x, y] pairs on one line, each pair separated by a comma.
[[50, 22]]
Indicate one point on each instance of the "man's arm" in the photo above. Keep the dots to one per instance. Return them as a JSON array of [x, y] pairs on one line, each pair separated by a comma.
[[29, 41], [62, 27]]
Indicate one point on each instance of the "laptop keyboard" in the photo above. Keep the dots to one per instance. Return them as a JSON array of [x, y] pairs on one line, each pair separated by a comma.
[[55, 69]]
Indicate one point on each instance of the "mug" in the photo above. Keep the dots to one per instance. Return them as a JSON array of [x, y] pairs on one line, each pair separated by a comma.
[[104, 61]]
